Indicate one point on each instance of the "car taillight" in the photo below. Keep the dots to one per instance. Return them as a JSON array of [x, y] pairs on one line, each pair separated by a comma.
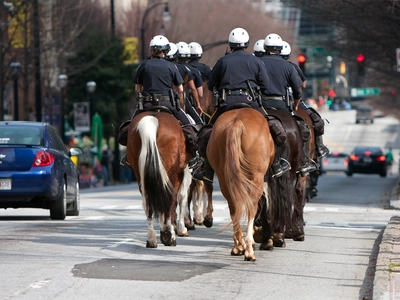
[[353, 157], [43, 159], [381, 158], [325, 162]]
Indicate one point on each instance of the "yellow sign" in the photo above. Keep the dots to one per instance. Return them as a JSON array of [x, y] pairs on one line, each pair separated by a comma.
[[130, 51]]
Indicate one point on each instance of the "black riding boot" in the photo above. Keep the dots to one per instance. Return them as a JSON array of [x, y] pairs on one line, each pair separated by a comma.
[[206, 174], [322, 150], [306, 167], [279, 166], [190, 132]]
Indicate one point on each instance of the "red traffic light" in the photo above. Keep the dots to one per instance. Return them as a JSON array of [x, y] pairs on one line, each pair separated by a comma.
[[360, 58], [301, 58]]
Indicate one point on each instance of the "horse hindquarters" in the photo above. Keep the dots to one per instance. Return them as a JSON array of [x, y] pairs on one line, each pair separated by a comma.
[[240, 151]]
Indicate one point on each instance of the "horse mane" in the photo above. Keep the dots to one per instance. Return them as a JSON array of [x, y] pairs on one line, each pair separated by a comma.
[[151, 169]]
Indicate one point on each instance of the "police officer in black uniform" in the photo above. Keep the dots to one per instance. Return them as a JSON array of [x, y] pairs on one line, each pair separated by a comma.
[[282, 75], [155, 79], [192, 103], [258, 49], [318, 122], [196, 52], [229, 77]]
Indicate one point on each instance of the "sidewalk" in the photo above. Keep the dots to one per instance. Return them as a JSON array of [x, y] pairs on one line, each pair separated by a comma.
[[387, 273]]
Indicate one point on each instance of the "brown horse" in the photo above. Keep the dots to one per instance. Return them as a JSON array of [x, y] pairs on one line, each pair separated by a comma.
[[241, 150], [296, 231], [282, 190], [157, 152]]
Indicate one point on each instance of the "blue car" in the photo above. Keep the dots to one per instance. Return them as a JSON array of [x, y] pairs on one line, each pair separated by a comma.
[[36, 169]]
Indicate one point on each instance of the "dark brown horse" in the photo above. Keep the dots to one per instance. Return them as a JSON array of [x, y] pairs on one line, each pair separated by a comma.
[[282, 190], [296, 231], [157, 152], [241, 150]]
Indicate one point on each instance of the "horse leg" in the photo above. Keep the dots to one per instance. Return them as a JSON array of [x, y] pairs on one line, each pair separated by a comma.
[[198, 216], [249, 241], [183, 202], [167, 232], [208, 219], [297, 232], [189, 224], [239, 244], [263, 233], [151, 233]]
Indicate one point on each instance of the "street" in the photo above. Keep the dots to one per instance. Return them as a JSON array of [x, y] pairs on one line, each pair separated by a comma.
[[101, 254]]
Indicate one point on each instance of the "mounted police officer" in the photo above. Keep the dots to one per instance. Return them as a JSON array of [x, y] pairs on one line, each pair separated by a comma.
[[155, 80], [193, 83], [258, 49], [317, 120], [196, 52], [283, 75], [235, 77]]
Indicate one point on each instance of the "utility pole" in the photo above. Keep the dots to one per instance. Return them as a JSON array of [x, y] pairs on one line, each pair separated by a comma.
[[36, 56]]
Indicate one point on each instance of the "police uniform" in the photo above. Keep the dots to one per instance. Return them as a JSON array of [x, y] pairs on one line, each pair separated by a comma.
[[158, 76], [192, 74], [282, 74], [203, 68], [231, 73]]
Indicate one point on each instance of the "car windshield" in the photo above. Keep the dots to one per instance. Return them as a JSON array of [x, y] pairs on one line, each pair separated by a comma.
[[20, 135]]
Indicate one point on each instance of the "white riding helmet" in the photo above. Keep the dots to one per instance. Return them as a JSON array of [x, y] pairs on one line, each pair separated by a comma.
[[238, 38], [159, 42], [173, 52], [259, 48], [286, 50], [195, 49], [273, 42], [183, 49]]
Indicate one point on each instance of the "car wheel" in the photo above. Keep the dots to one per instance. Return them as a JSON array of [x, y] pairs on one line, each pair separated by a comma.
[[383, 174], [76, 205], [349, 174], [372, 121], [357, 121], [58, 209]]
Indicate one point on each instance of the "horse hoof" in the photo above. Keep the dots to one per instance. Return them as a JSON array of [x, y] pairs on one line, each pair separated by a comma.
[[257, 234], [183, 234], [250, 258], [197, 223], [208, 222], [299, 238], [237, 252], [151, 245], [279, 243], [267, 246], [166, 237], [190, 226], [172, 244]]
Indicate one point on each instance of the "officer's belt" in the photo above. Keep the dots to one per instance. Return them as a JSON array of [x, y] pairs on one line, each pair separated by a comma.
[[271, 97], [151, 98], [237, 92]]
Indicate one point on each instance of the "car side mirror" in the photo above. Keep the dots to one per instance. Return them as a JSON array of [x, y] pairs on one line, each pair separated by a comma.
[[75, 151]]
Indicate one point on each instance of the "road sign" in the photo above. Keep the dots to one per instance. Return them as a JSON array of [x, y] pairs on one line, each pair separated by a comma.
[[364, 92], [398, 59]]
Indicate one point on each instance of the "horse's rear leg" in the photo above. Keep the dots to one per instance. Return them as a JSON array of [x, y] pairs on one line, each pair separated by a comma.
[[263, 230], [208, 219], [151, 234], [189, 224], [239, 244], [183, 202], [167, 232], [297, 231], [249, 252]]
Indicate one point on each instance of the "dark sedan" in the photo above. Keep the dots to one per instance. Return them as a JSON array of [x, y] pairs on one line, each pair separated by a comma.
[[36, 169], [367, 160]]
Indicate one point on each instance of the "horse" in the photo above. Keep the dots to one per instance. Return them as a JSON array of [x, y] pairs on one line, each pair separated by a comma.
[[282, 190], [157, 152], [296, 231], [240, 151], [200, 194]]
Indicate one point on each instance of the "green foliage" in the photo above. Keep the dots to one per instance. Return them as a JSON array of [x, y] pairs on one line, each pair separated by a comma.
[[99, 57]]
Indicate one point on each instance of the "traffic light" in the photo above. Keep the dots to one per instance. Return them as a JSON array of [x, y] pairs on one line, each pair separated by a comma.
[[301, 59], [360, 64]]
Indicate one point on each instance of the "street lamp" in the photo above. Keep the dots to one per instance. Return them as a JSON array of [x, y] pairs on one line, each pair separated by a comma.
[[62, 83], [166, 17], [91, 87], [15, 70]]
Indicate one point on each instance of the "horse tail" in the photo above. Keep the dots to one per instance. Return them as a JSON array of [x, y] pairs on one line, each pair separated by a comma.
[[238, 172], [155, 184]]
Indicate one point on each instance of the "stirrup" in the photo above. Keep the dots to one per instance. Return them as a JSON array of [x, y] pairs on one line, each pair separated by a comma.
[[124, 162], [284, 166], [201, 176], [323, 151]]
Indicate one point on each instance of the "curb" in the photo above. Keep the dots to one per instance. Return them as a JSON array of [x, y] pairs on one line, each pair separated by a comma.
[[389, 252]]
